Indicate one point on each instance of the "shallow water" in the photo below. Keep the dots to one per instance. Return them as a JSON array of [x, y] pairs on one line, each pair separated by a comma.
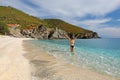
[[101, 55]]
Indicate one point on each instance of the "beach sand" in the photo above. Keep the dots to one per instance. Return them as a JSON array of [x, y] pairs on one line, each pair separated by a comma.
[[13, 65], [47, 67]]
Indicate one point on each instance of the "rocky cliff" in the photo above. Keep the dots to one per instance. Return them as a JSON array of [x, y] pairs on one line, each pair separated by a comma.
[[42, 32]]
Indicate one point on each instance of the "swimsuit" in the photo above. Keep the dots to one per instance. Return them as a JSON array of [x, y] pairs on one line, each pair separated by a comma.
[[72, 45]]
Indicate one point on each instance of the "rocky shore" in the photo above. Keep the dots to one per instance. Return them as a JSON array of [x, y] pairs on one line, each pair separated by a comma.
[[42, 32]]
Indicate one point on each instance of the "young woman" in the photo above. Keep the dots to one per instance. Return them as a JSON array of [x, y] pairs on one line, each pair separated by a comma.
[[72, 39]]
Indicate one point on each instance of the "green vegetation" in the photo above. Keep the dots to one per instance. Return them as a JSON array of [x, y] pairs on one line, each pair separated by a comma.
[[3, 28], [9, 15], [53, 23]]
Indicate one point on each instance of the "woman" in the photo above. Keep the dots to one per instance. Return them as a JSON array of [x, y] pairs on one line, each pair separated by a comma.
[[72, 39]]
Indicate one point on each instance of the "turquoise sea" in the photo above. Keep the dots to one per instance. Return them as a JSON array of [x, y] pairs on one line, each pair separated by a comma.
[[101, 55]]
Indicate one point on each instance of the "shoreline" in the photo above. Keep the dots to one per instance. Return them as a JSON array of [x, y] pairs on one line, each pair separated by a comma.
[[47, 67], [22, 61]]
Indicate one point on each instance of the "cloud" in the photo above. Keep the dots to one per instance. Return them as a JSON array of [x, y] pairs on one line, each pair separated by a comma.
[[66, 8], [113, 32], [118, 19], [94, 22], [73, 8]]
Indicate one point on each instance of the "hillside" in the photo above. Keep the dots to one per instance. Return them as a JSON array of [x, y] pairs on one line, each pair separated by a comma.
[[20, 24], [3, 28], [10, 15], [65, 26]]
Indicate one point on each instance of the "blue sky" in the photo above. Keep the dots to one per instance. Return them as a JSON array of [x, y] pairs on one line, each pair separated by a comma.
[[101, 16]]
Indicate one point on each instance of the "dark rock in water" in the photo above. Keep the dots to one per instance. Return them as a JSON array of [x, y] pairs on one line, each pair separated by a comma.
[[42, 32]]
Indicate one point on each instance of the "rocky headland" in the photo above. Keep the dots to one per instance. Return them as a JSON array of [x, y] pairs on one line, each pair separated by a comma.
[[42, 32], [19, 24]]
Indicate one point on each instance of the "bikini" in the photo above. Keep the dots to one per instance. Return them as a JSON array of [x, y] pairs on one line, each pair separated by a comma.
[[72, 45]]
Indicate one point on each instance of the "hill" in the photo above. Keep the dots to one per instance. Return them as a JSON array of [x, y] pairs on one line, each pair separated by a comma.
[[53, 23], [18, 23], [10, 15]]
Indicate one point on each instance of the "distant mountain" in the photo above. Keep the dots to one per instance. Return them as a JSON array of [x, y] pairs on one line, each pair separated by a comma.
[[30, 26]]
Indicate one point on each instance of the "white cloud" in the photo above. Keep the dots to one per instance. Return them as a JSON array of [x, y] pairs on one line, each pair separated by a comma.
[[118, 19], [73, 8], [94, 22], [113, 32]]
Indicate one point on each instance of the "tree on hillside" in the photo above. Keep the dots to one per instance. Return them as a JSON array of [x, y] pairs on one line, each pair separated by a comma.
[[3, 28]]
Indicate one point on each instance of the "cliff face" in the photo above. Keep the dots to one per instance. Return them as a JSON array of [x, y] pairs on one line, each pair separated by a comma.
[[42, 32]]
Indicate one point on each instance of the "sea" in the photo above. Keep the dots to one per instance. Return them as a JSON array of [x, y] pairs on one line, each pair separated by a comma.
[[100, 55]]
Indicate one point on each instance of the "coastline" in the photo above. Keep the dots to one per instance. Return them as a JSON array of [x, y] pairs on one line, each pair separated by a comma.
[[13, 65], [47, 67], [21, 61]]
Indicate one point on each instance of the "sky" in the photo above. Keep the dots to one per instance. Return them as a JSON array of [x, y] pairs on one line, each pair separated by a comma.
[[101, 16]]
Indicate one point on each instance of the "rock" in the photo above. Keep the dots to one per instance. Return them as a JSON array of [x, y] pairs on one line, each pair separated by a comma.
[[15, 32], [42, 32], [58, 34]]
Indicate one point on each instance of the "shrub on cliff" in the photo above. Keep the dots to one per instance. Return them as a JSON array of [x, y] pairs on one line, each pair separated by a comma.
[[3, 28]]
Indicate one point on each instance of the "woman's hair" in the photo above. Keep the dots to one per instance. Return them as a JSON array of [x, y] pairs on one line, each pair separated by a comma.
[[72, 36]]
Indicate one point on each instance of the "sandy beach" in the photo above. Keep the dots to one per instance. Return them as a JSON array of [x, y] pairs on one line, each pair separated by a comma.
[[13, 65], [20, 61]]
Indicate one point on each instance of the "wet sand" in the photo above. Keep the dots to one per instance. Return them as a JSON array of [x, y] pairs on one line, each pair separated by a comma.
[[47, 67]]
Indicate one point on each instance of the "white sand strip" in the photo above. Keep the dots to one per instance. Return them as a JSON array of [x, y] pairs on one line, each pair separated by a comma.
[[13, 66]]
